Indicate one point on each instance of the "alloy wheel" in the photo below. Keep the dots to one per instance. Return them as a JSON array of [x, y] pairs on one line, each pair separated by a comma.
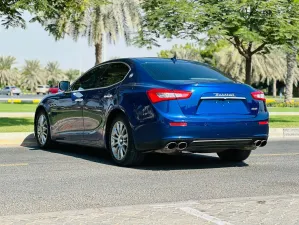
[[119, 140], [42, 129]]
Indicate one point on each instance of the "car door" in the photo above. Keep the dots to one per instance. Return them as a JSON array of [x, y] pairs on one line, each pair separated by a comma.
[[67, 111], [100, 100]]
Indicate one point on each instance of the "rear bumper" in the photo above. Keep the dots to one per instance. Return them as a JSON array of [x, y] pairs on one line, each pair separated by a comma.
[[201, 136], [202, 145]]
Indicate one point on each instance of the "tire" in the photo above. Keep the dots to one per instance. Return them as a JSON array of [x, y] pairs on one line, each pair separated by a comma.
[[45, 142], [37, 93], [124, 155], [234, 155]]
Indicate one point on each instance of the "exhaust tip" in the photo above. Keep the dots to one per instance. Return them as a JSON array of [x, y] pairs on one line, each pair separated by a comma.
[[171, 145], [263, 143], [258, 143], [182, 145]]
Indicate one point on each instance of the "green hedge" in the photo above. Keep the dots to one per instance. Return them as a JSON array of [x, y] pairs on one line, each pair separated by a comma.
[[282, 104]]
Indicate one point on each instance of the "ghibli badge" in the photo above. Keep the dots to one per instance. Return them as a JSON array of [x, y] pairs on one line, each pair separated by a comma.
[[224, 94]]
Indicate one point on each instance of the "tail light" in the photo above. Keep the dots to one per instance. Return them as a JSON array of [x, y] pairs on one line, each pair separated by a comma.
[[258, 95], [159, 95]]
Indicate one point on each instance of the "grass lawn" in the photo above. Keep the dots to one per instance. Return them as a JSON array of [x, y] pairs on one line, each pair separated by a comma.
[[8, 107], [283, 109], [26, 124], [16, 125], [284, 121]]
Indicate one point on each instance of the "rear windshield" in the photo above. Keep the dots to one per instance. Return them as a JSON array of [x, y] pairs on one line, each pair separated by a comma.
[[40, 86], [183, 71]]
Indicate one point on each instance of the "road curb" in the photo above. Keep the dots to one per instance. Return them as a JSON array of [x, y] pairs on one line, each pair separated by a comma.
[[31, 101], [17, 139], [284, 132], [28, 139]]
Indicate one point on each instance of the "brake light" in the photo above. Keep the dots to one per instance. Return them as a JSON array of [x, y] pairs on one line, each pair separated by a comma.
[[258, 95], [159, 95]]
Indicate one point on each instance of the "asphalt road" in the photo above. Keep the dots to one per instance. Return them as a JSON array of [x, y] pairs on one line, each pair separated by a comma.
[[73, 178]]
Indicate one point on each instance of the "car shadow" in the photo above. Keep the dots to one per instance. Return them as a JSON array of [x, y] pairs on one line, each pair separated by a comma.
[[186, 161], [153, 161]]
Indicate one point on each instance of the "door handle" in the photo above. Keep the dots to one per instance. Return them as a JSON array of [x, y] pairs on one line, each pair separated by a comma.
[[108, 96], [78, 95], [79, 100]]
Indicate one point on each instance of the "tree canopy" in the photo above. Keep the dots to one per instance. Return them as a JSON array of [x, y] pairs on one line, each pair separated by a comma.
[[249, 25], [188, 51], [11, 11]]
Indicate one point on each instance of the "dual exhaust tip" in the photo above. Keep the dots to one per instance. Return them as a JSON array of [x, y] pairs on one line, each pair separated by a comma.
[[260, 143], [179, 146]]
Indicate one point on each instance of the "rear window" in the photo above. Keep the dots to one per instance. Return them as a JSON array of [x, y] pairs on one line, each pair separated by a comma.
[[183, 71], [40, 86]]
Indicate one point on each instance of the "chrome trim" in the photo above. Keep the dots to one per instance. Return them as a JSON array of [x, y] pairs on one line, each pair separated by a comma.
[[222, 98], [105, 63], [226, 140]]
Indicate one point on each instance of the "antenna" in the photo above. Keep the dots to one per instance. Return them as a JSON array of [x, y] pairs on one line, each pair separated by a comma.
[[174, 58]]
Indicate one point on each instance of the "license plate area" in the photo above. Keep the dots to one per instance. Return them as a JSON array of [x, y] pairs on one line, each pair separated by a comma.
[[222, 106]]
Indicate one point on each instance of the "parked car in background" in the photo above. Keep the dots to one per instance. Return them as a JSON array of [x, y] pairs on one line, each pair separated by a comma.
[[53, 90], [10, 90], [42, 89], [136, 106]]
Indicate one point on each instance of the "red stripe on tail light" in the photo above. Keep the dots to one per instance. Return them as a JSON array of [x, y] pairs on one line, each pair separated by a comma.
[[263, 122], [178, 124], [158, 95]]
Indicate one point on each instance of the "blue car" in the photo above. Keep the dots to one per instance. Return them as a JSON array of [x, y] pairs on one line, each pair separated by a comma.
[[140, 105]]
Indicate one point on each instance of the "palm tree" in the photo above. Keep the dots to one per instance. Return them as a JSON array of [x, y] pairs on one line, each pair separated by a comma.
[[33, 74], [117, 18], [291, 73], [270, 67], [54, 73], [8, 74], [72, 74], [188, 51]]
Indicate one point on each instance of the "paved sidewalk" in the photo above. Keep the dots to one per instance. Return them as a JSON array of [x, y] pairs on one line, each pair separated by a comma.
[[284, 113], [258, 210], [16, 114]]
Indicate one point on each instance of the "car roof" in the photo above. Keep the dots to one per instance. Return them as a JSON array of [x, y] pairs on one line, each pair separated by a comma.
[[150, 59]]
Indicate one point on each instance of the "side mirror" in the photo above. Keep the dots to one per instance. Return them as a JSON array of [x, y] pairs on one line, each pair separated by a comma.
[[64, 85]]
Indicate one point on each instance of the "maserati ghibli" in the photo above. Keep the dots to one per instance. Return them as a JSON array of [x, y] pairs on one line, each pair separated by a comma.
[[135, 106]]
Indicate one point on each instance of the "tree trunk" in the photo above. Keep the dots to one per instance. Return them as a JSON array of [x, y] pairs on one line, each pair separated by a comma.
[[274, 89], [291, 64], [99, 50], [248, 68]]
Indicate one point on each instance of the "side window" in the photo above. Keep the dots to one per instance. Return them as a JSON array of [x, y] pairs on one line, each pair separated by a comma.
[[91, 79], [115, 73], [76, 85]]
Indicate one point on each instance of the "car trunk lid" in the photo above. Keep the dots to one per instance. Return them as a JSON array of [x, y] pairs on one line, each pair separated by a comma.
[[218, 99]]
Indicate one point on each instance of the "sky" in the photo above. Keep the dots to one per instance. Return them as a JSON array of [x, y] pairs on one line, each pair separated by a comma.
[[35, 43]]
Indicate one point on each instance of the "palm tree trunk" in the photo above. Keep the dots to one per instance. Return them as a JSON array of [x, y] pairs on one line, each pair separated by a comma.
[[99, 50], [291, 63], [274, 89], [248, 69]]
